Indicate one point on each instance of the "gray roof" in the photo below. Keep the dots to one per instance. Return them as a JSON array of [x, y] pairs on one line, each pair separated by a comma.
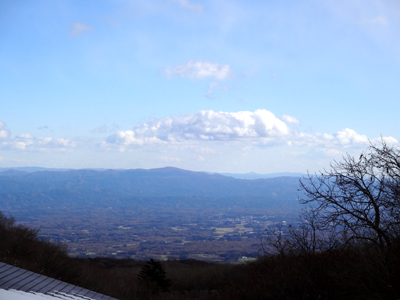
[[14, 278]]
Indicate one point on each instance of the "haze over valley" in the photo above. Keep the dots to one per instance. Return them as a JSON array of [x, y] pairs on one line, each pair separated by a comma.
[[161, 213]]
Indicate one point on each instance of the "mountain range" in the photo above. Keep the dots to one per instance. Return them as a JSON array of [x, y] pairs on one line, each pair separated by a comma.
[[172, 187]]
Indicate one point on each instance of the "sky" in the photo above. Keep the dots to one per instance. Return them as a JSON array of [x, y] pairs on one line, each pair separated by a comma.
[[218, 86]]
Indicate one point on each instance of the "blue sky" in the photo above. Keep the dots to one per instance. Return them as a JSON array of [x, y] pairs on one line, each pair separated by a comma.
[[223, 86]]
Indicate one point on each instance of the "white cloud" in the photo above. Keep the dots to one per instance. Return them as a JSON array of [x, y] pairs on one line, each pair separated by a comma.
[[128, 137], [4, 133], [290, 119], [201, 70], [348, 137], [208, 132], [28, 142], [260, 127], [205, 125], [77, 29], [188, 5], [344, 138], [25, 141], [387, 139]]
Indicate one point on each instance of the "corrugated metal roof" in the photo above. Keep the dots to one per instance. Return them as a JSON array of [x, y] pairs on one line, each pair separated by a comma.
[[16, 279]]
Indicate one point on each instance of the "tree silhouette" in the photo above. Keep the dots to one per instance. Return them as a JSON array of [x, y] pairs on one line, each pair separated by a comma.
[[360, 196], [154, 277]]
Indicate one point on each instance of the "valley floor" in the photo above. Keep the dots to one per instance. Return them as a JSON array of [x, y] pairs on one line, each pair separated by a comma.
[[166, 234]]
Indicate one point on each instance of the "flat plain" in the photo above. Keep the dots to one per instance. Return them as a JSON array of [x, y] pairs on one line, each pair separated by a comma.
[[210, 235]]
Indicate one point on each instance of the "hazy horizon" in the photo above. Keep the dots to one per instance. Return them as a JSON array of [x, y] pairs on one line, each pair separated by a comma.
[[36, 168]]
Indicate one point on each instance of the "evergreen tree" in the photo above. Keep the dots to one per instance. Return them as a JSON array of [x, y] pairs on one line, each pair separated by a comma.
[[154, 277]]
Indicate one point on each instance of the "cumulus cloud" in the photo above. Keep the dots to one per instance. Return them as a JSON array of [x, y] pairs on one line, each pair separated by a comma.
[[335, 145], [348, 136], [387, 139], [290, 119], [344, 138], [76, 29], [198, 70], [341, 141], [244, 129], [205, 125], [129, 137], [26, 141], [186, 4]]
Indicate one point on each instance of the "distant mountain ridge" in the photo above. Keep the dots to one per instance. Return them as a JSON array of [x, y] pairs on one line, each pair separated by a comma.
[[252, 175], [139, 187], [33, 169]]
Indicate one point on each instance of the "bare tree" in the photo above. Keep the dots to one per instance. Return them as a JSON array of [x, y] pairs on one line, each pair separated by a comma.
[[306, 236], [359, 196], [387, 160], [275, 241], [309, 236]]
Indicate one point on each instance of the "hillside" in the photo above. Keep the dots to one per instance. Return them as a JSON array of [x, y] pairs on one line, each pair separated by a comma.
[[139, 187]]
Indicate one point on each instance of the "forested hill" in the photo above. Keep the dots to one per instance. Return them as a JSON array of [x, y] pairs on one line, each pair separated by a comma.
[[139, 187]]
